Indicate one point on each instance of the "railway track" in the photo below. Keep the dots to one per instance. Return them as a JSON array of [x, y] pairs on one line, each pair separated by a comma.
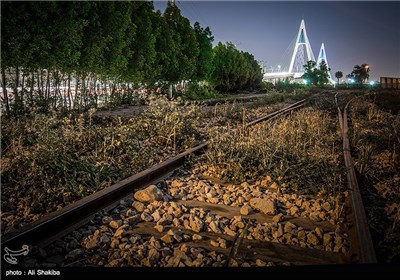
[[365, 248], [190, 220], [58, 223], [132, 110]]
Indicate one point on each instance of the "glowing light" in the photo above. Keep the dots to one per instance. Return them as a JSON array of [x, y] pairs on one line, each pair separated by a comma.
[[372, 83], [305, 81]]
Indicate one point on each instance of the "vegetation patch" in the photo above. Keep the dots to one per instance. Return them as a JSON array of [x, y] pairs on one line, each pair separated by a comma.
[[386, 100], [302, 151], [375, 136], [51, 160]]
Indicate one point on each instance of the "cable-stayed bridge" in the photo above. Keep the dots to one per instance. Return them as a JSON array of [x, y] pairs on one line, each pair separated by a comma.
[[291, 67]]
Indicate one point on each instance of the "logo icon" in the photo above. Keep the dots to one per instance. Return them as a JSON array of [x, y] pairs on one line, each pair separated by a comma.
[[10, 255]]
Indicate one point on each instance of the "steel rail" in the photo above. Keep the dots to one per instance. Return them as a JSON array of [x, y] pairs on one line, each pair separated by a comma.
[[363, 235], [279, 112]]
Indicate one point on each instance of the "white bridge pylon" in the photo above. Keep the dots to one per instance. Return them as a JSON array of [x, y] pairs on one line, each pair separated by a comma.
[[302, 50], [322, 58]]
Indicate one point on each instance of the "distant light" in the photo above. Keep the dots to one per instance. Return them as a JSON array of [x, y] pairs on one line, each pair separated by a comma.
[[305, 81], [334, 82], [372, 83], [351, 81]]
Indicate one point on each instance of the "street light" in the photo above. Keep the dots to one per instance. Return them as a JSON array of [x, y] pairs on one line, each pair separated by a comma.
[[366, 71]]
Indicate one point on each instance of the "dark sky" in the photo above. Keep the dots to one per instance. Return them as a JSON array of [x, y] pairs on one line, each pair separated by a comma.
[[353, 32]]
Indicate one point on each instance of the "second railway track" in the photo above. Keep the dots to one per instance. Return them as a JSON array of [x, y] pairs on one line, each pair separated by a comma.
[[365, 247]]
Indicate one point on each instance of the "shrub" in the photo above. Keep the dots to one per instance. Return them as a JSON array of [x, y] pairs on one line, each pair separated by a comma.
[[195, 91]]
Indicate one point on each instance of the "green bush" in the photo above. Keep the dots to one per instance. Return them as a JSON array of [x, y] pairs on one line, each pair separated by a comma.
[[195, 91], [266, 86], [283, 86]]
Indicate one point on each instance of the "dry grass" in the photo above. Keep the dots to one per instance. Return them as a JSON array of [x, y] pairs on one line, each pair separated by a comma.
[[238, 114], [302, 151], [376, 141], [48, 161]]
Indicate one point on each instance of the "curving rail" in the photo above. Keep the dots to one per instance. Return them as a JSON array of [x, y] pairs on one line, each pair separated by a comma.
[[364, 240]]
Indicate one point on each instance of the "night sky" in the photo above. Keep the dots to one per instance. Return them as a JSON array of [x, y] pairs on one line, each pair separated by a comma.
[[353, 32]]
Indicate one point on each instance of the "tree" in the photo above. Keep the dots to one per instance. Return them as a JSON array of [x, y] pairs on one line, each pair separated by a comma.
[[255, 72], [205, 58], [118, 29], [234, 70], [360, 74], [338, 75], [13, 49], [43, 43], [167, 52], [309, 73], [67, 41], [314, 75], [182, 46], [63, 55], [142, 64]]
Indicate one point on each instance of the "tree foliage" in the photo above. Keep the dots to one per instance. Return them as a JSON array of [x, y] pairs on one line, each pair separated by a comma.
[[204, 64], [183, 48], [234, 70], [314, 75], [360, 74], [338, 76], [76, 55], [143, 62]]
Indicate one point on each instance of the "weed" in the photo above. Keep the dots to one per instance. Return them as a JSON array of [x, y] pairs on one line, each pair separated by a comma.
[[297, 148], [374, 136], [48, 161]]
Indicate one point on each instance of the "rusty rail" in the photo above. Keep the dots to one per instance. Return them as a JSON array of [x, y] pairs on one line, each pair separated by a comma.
[[273, 115], [365, 245]]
